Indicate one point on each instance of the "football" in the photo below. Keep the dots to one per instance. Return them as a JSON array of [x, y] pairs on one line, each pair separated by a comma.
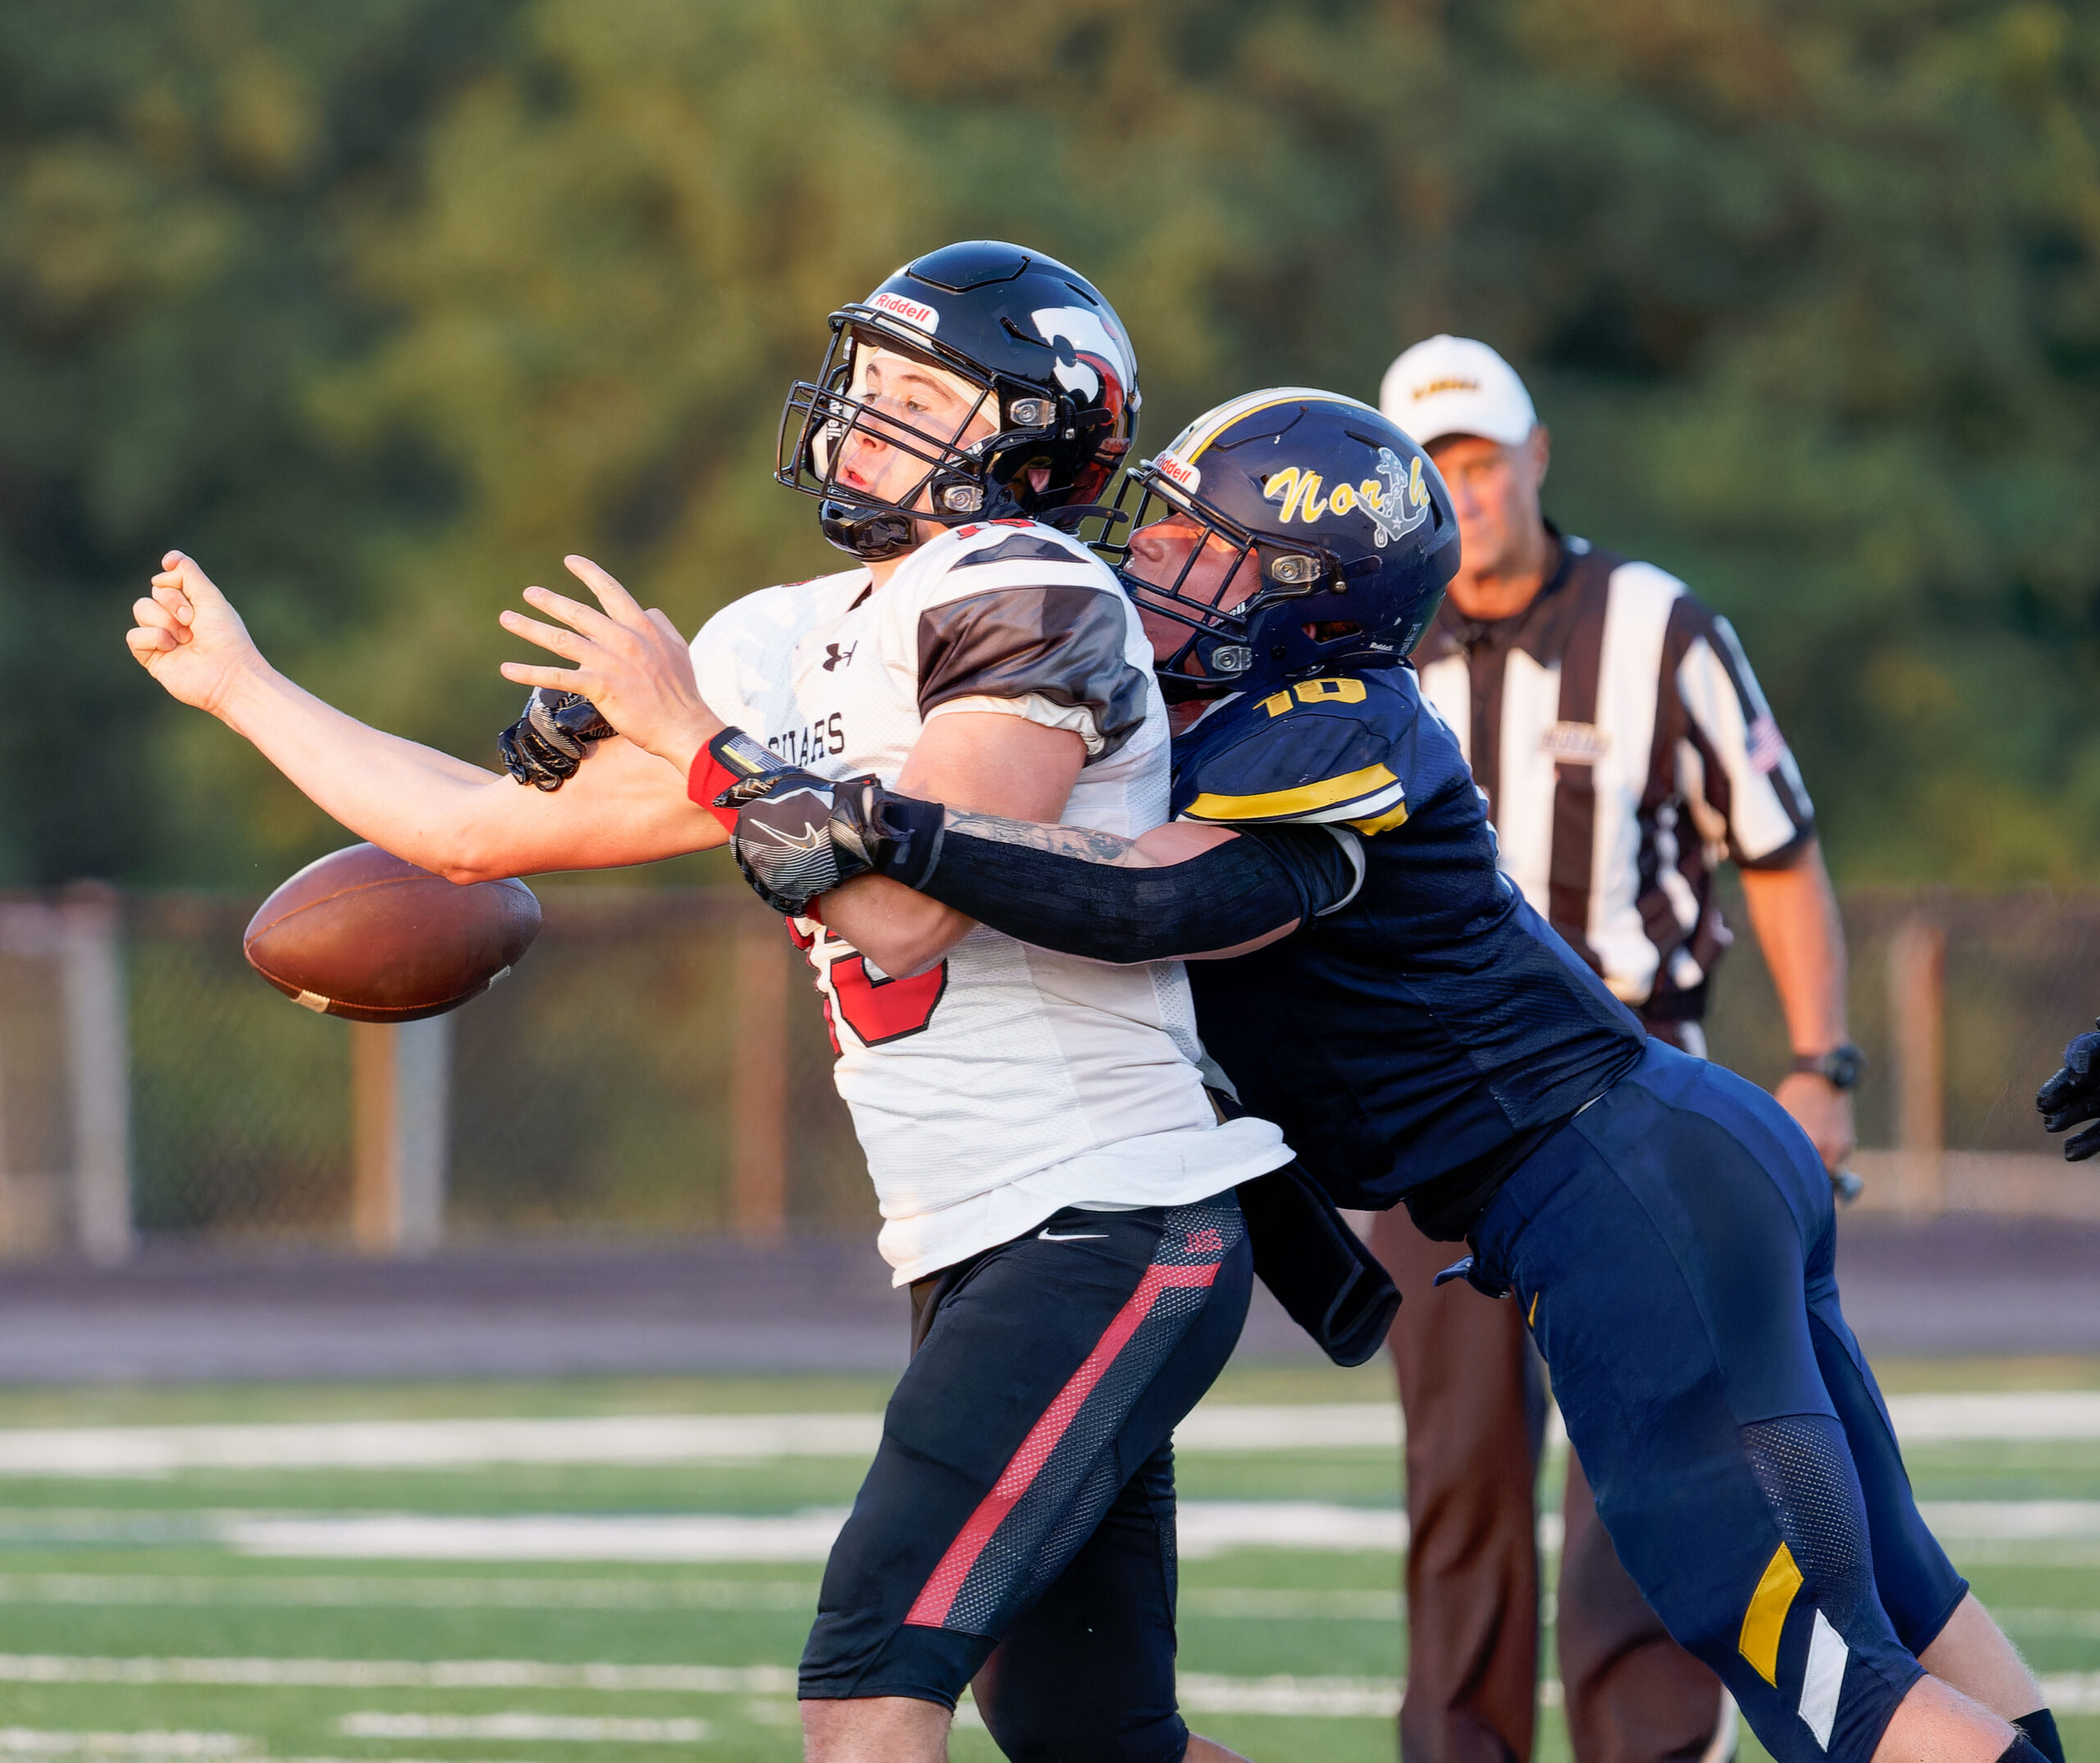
[[362, 934]]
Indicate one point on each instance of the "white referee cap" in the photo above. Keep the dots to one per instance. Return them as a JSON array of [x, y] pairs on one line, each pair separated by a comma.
[[1453, 386]]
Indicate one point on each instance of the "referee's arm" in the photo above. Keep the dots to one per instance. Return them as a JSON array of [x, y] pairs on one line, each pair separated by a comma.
[[1794, 912], [1753, 784]]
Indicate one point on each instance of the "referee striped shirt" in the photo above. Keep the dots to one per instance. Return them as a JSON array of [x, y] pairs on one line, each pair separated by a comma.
[[1626, 750]]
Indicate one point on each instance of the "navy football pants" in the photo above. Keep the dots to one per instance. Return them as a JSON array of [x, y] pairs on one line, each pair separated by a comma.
[[1672, 1250], [1022, 1499]]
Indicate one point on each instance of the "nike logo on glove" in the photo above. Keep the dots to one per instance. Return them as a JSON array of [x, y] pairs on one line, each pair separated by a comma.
[[1075, 1236]]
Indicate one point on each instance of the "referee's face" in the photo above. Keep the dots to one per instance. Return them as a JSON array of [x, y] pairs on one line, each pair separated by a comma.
[[1495, 491]]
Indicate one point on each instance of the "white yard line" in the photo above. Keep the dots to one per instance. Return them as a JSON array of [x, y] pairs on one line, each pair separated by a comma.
[[1211, 1527], [609, 1439], [436, 1444], [563, 1728], [321, 1591], [1233, 1426], [1207, 1528], [2000, 1414], [2073, 1691], [1980, 1528], [668, 1539], [1214, 1427], [375, 1591], [398, 1674], [29, 1741], [1201, 1692], [2012, 1520], [1205, 1693]]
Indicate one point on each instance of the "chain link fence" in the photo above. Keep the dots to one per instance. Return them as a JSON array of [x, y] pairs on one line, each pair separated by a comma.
[[658, 1067], [652, 1050], [2020, 974]]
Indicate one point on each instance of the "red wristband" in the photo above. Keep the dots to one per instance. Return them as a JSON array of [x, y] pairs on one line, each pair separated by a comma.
[[707, 779]]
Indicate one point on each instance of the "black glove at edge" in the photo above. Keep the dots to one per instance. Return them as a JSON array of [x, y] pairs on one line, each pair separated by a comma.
[[799, 835], [2073, 1095], [546, 744]]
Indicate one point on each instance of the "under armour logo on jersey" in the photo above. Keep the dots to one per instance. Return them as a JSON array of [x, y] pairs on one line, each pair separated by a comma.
[[833, 657]]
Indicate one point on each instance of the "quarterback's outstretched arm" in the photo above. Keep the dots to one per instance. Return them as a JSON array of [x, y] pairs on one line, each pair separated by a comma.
[[426, 806], [633, 667]]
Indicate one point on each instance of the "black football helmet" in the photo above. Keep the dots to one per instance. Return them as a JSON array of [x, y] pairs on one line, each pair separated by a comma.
[[1344, 522], [1053, 369]]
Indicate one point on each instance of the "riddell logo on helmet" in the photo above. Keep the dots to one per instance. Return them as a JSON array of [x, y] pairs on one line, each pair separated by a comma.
[[1179, 473], [910, 311]]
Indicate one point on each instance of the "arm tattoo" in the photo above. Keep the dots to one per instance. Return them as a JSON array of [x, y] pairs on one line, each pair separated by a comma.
[[1079, 842]]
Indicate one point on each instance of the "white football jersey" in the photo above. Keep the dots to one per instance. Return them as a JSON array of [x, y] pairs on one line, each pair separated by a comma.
[[1009, 1081]]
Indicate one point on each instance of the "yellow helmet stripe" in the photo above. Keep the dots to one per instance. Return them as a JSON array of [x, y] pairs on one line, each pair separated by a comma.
[[1251, 403]]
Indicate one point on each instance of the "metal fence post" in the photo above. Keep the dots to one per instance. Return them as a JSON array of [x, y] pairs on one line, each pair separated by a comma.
[[1917, 1018], [758, 1100], [401, 1083], [98, 1068], [423, 1121], [375, 1127]]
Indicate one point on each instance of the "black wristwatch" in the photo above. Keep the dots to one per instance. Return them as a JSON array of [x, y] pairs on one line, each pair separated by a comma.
[[1842, 1068]]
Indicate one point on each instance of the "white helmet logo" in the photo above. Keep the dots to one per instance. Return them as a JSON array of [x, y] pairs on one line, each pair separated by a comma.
[[1083, 334], [1405, 505]]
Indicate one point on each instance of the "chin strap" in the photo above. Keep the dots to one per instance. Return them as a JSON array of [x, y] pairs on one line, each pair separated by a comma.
[[873, 535], [1074, 515]]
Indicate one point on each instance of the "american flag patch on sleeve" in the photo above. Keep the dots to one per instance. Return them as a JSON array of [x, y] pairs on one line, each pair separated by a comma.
[[1767, 746]]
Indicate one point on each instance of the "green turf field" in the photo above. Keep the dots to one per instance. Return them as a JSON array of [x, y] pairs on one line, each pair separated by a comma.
[[139, 1616]]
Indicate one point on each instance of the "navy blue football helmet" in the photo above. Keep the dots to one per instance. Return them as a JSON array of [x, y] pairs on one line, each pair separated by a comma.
[[1339, 521], [1051, 366]]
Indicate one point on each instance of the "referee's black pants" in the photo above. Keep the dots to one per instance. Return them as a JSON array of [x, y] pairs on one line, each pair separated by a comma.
[[1475, 1404]]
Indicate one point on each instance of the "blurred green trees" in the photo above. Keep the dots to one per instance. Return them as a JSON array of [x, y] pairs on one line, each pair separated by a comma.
[[382, 309]]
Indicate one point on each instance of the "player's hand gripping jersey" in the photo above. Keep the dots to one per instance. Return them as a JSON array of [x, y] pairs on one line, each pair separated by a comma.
[[1009, 1081]]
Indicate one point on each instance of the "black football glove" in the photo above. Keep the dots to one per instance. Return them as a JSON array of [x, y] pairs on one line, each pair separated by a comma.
[[799, 835], [546, 744], [2073, 1095]]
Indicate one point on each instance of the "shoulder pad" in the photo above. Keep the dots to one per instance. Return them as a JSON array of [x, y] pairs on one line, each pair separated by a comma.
[[1320, 751]]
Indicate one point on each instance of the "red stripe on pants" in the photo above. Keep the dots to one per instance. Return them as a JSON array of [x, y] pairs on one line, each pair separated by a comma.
[[930, 1608]]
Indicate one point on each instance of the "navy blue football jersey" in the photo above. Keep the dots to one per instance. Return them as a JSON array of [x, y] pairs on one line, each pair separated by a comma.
[[1417, 1042]]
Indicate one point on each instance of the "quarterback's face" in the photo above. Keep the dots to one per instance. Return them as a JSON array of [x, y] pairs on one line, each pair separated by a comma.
[[907, 402], [1219, 575]]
